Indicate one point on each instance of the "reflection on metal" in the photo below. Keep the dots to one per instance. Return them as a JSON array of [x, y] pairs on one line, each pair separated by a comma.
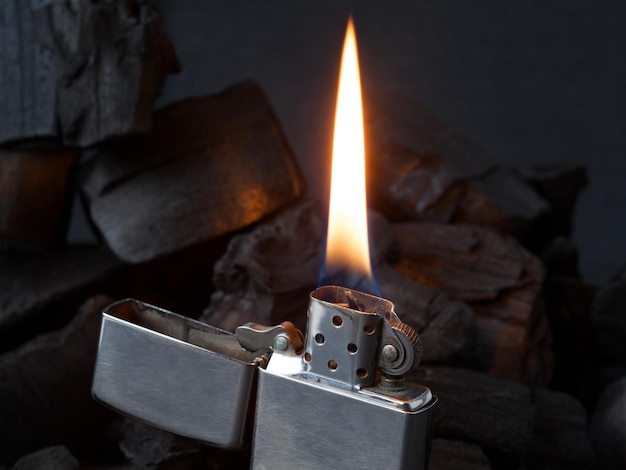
[[172, 372], [334, 398]]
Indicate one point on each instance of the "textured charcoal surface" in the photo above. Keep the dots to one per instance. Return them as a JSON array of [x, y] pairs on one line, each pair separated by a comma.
[[474, 407], [211, 165], [457, 455], [266, 275], [497, 278], [149, 447], [560, 439], [424, 171], [81, 72], [42, 290], [446, 327], [608, 426], [45, 388], [49, 458]]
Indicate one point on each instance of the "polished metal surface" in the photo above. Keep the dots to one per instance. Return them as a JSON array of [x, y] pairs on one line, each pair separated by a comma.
[[329, 408], [175, 373], [335, 400], [351, 334], [341, 342], [304, 423], [254, 337]]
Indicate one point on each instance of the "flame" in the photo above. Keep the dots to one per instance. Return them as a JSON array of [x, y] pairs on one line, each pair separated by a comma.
[[347, 246]]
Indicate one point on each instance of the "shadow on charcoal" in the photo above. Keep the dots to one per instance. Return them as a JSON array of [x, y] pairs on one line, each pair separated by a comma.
[[45, 389], [150, 448]]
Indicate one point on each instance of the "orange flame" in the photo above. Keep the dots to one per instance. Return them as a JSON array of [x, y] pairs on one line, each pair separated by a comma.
[[347, 246]]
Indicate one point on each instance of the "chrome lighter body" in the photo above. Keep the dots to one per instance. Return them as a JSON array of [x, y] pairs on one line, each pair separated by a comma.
[[333, 399]]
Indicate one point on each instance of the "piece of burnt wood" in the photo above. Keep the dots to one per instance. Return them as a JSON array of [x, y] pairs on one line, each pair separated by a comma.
[[266, 276], [446, 327], [424, 171], [80, 71], [474, 407], [54, 458], [501, 282], [45, 388], [41, 291], [569, 304], [211, 165], [457, 455], [560, 440], [33, 190], [286, 252], [560, 185]]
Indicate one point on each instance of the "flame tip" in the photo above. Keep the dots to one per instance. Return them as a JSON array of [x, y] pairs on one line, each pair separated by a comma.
[[347, 242]]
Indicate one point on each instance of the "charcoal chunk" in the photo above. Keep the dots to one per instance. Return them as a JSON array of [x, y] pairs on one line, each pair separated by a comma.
[[41, 291], [426, 172], [45, 388], [608, 426], [457, 455], [498, 279], [560, 438], [80, 71], [211, 165], [266, 276], [50, 458], [474, 407]]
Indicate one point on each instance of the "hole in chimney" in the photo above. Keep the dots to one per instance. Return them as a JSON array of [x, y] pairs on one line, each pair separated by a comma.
[[362, 373], [337, 321], [307, 357], [319, 338], [352, 348], [332, 364], [369, 329]]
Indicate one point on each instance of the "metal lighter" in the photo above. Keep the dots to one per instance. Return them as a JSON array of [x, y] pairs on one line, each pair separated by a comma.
[[332, 399]]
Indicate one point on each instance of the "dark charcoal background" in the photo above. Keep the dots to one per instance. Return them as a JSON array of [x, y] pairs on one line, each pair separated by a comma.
[[535, 83]]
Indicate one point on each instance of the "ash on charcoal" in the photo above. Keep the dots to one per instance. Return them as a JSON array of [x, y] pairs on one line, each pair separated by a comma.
[[211, 165], [45, 388], [80, 71]]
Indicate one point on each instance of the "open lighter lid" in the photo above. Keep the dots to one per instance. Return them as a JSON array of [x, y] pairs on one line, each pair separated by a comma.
[[175, 373]]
